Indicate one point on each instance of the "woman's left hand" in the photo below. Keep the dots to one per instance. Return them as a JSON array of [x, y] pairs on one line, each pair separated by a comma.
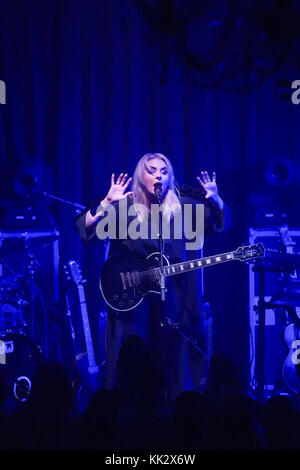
[[209, 185]]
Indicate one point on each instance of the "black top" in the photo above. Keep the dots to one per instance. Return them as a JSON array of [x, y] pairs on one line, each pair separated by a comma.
[[184, 290]]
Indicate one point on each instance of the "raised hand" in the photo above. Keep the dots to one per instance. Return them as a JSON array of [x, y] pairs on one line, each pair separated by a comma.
[[115, 193], [116, 190], [209, 185]]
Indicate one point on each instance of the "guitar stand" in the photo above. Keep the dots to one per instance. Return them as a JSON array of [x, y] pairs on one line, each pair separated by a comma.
[[70, 325], [176, 326]]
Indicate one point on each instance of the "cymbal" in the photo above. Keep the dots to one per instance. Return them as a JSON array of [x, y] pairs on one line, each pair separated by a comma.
[[10, 279]]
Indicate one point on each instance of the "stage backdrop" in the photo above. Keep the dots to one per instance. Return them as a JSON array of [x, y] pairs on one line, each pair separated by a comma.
[[90, 88]]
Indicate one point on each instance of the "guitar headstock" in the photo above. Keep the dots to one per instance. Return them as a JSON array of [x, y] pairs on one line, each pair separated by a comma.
[[73, 271], [245, 253]]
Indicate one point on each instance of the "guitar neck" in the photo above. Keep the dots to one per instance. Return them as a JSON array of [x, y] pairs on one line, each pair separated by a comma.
[[86, 328], [198, 263]]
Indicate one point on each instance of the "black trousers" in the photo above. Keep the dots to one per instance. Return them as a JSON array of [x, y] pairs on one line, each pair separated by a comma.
[[186, 367]]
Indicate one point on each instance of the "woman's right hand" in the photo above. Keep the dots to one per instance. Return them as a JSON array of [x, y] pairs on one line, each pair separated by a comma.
[[116, 190], [115, 193]]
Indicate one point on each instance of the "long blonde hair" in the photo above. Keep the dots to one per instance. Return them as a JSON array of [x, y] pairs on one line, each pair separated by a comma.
[[171, 203]]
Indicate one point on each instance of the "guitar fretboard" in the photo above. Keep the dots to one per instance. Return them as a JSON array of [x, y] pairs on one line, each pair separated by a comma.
[[196, 263]]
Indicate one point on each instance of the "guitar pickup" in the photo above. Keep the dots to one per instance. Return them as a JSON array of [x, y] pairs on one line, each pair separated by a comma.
[[136, 278], [130, 279], [123, 280]]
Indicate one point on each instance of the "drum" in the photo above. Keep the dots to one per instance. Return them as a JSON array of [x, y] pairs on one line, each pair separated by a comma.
[[11, 289], [19, 359], [11, 318], [12, 301]]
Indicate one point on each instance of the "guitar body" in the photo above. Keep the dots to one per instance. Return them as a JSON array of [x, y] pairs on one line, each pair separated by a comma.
[[112, 286], [291, 366]]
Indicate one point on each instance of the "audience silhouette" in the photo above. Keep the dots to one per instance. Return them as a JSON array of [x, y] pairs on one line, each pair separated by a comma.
[[138, 415]]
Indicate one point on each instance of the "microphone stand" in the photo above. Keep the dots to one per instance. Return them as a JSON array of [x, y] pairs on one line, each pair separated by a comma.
[[78, 207], [30, 267], [162, 279], [167, 322]]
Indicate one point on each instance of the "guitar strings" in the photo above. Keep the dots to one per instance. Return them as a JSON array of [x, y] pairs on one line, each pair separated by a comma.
[[153, 271]]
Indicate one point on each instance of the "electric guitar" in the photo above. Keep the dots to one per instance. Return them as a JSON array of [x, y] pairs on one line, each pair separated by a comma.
[[124, 280], [93, 381]]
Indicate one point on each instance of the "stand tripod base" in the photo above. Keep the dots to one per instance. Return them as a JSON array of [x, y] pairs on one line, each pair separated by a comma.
[[168, 323]]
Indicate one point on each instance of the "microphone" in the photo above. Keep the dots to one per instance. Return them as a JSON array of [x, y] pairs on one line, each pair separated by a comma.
[[157, 189]]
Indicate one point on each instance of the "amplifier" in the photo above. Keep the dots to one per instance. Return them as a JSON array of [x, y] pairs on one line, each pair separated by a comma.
[[276, 320]]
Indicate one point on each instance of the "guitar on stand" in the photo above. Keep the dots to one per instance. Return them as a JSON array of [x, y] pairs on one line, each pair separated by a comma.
[[86, 362], [289, 298]]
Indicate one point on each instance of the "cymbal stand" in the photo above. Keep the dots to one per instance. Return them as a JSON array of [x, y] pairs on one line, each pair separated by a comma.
[[260, 350], [30, 267]]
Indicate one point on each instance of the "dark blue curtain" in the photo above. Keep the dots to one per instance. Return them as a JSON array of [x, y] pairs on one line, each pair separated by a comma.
[[87, 95]]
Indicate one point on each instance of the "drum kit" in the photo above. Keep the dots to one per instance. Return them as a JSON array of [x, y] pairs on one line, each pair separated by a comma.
[[23, 331], [20, 356]]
